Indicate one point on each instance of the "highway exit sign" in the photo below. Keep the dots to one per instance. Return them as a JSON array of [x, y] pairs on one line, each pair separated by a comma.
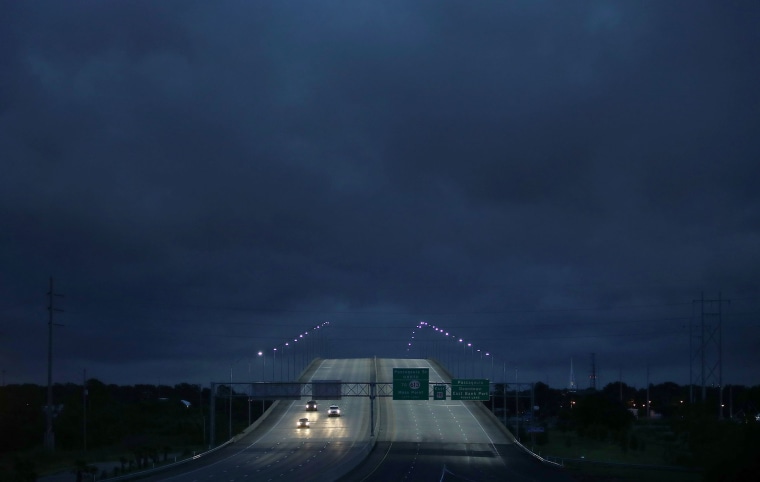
[[470, 389], [439, 392], [411, 383]]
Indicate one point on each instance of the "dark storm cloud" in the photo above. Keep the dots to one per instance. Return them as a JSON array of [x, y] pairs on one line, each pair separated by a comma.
[[540, 177]]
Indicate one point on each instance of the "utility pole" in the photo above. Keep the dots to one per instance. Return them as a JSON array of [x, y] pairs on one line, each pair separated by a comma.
[[648, 412], [517, 408], [212, 417], [49, 437], [504, 391], [230, 425], [84, 408], [571, 386]]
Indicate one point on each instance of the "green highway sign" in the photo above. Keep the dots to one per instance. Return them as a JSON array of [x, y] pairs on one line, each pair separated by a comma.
[[439, 392], [411, 383], [470, 389]]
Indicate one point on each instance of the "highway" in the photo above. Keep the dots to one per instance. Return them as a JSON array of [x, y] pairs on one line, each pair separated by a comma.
[[415, 440], [278, 450], [443, 441]]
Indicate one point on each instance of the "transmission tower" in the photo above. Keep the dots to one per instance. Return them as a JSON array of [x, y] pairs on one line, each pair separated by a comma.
[[49, 438], [706, 346], [592, 375], [572, 386]]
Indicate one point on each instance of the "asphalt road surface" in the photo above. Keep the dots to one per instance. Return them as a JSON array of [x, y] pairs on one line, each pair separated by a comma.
[[426, 440], [280, 451], [444, 441]]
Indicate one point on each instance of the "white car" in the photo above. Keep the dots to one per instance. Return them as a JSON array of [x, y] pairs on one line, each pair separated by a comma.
[[333, 411]]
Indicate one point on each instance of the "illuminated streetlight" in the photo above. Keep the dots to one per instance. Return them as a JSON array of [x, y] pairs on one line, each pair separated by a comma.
[[287, 361], [274, 361], [469, 345], [464, 349], [230, 412]]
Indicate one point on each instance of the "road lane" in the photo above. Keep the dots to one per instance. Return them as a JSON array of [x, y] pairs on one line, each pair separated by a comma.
[[443, 440], [416, 440], [278, 450]]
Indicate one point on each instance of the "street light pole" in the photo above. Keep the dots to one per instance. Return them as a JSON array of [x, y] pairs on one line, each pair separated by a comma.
[[461, 359], [263, 375], [250, 396], [287, 361], [84, 408], [200, 408], [230, 437], [473, 368]]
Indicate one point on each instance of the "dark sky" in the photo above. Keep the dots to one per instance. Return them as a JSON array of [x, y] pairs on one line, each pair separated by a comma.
[[545, 179]]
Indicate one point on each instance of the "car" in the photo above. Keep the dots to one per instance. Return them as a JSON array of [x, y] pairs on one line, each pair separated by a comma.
[[333, 411], [311, 406], [303, 423]]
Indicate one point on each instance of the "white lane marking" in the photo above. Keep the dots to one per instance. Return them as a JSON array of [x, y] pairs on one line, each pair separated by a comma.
[[493, 445], [241, 450]]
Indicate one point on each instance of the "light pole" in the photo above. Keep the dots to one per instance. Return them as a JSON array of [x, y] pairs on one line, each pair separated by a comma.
[[449, 355], [473, 368], [274, 361], [230, 425], [203, 415], [304, 349], [490, 381], [453, 355], [460, 363], [287, 362], [263, 375], [84, 408], [250, 393], [504, 391]]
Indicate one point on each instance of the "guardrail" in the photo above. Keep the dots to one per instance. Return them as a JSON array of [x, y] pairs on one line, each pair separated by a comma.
[[671, 468], [145, 473], [337, 471]]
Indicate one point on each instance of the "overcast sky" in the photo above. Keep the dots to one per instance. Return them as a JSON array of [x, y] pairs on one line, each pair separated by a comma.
[[544, 179]]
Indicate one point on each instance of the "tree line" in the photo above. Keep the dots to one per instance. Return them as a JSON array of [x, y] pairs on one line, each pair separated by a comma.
[[140, 425], [723, 441], [149, 421]]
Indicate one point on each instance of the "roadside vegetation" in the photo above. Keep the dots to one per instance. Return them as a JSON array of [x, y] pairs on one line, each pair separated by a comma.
[[133, 427], [598, 434], [607, 435]]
